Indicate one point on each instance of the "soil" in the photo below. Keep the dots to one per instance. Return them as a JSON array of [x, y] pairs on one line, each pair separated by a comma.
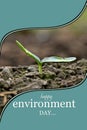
[[17, 79], [62, 42]]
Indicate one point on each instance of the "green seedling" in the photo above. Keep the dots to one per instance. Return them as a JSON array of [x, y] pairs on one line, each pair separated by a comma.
[[44, 60]]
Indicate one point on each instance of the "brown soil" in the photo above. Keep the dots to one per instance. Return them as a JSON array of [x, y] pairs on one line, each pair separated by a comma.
[[62, 42], [14, 80]]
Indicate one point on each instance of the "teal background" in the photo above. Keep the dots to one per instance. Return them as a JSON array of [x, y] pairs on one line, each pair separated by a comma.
[[65, 119], [19, 14], [16, 15]]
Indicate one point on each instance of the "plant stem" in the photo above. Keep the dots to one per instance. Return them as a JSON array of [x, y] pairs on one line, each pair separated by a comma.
[[40, 68]]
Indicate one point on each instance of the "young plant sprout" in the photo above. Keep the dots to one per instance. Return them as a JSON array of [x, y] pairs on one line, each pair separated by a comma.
[[44, 60]]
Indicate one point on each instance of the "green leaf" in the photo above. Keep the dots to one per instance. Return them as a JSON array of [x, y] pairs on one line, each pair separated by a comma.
[[36, 58], [58, 59]]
